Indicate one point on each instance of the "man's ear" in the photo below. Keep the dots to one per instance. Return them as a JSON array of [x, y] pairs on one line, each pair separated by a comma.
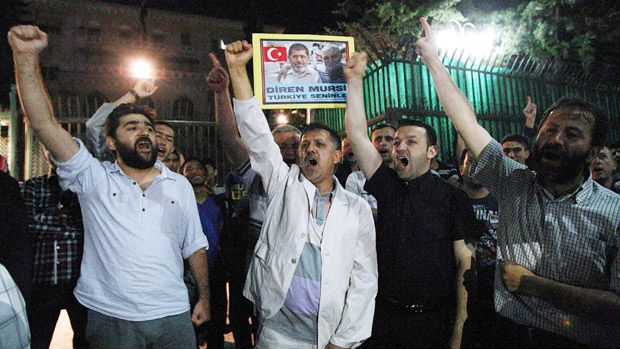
[[527, 153], [110, 143], [432, 151], [337, 156]]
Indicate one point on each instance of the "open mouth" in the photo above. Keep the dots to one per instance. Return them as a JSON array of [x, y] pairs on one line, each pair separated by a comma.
[[403, 160], [312, 162], [144, 144]]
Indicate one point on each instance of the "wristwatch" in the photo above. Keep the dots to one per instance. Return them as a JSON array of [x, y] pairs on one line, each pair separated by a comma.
[[135, 94]]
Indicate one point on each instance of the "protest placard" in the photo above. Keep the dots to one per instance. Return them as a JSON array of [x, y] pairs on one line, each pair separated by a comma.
[[300, 71]]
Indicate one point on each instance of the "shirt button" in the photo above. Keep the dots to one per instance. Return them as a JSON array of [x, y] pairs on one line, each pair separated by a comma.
[[144, 209], [113, 194], [294, 260], [143, 195], [134, 183]]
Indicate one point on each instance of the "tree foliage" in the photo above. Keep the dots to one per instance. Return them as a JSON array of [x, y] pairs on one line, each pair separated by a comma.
[[575, 31]]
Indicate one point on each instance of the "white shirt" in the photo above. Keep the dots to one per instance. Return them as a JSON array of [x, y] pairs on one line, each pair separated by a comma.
[[134, 240], [355, 184]]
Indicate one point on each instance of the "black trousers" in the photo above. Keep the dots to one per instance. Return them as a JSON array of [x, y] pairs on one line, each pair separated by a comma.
[[45, 305], [515, 336], [397, 327]]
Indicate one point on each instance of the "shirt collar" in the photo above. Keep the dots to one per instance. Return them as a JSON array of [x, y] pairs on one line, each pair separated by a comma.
[[419, 181], [294, 73], [579, 195], [165, 173], [313, 191]]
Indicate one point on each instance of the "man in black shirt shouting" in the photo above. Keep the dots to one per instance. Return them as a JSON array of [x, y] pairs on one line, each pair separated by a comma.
[[422, 252]]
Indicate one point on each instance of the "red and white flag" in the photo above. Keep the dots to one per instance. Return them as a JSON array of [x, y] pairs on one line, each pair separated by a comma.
[[274, 54]]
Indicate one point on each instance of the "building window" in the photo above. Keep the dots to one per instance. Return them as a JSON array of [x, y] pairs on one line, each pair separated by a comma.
[[183, 108], [186, 39], [158, 36], [126, 32], [50, 73], [93, 31], [93, 101]]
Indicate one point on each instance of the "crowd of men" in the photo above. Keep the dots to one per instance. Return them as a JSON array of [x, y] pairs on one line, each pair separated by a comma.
[[324, 242]]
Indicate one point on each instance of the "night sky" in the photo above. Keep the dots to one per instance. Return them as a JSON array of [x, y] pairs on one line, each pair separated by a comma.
[[298, 17]]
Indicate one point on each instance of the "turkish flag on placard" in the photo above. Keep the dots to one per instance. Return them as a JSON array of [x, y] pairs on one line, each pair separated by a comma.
[[274, 54]]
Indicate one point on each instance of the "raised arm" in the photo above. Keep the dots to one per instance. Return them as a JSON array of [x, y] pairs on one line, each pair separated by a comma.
[[218, 82], [27, 43], [455, 104], [94, 126], [264, 153], [369, 159]]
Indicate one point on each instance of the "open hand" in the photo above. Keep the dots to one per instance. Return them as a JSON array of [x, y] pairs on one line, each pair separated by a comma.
[[27, 39], [218, 79], [356, 66], [145, 88], [238, 54]]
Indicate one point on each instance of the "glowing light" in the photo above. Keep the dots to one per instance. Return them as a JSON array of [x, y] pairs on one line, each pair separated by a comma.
[[567, 324], [281, 119], [141, 69], [467, 38]]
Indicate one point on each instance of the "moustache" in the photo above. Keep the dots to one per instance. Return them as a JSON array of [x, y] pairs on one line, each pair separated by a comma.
[[553, 152]]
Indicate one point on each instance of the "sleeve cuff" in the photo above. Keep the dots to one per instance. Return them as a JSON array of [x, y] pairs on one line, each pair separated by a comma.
[[491, 151], [189, 250]]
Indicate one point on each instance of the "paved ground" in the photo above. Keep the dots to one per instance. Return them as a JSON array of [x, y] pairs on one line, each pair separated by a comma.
[[63, 335]]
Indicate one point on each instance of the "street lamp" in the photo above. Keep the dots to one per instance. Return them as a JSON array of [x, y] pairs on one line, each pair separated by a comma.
[[281, 119], [141, 68], [468, 38]]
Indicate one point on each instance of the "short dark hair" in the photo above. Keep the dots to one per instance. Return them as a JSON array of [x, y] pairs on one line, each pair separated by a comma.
[[193, 158], [517, 138], [382, 126], [298, 47], [315, 126], [113, 120], [164, 123], [586, 109], [431, 135]]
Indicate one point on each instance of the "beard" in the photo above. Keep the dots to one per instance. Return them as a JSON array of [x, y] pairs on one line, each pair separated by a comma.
[[570, 165], [132, 157]]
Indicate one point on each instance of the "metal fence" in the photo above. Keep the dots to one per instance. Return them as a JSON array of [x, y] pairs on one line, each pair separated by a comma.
[[496, 86], [192, 138]]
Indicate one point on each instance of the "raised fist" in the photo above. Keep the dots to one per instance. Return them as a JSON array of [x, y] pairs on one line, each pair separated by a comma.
[[356, 66], [238, 54], [27, 39]]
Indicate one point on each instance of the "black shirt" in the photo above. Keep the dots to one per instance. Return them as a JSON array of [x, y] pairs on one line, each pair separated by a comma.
[[418, 222], [15, 247]]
